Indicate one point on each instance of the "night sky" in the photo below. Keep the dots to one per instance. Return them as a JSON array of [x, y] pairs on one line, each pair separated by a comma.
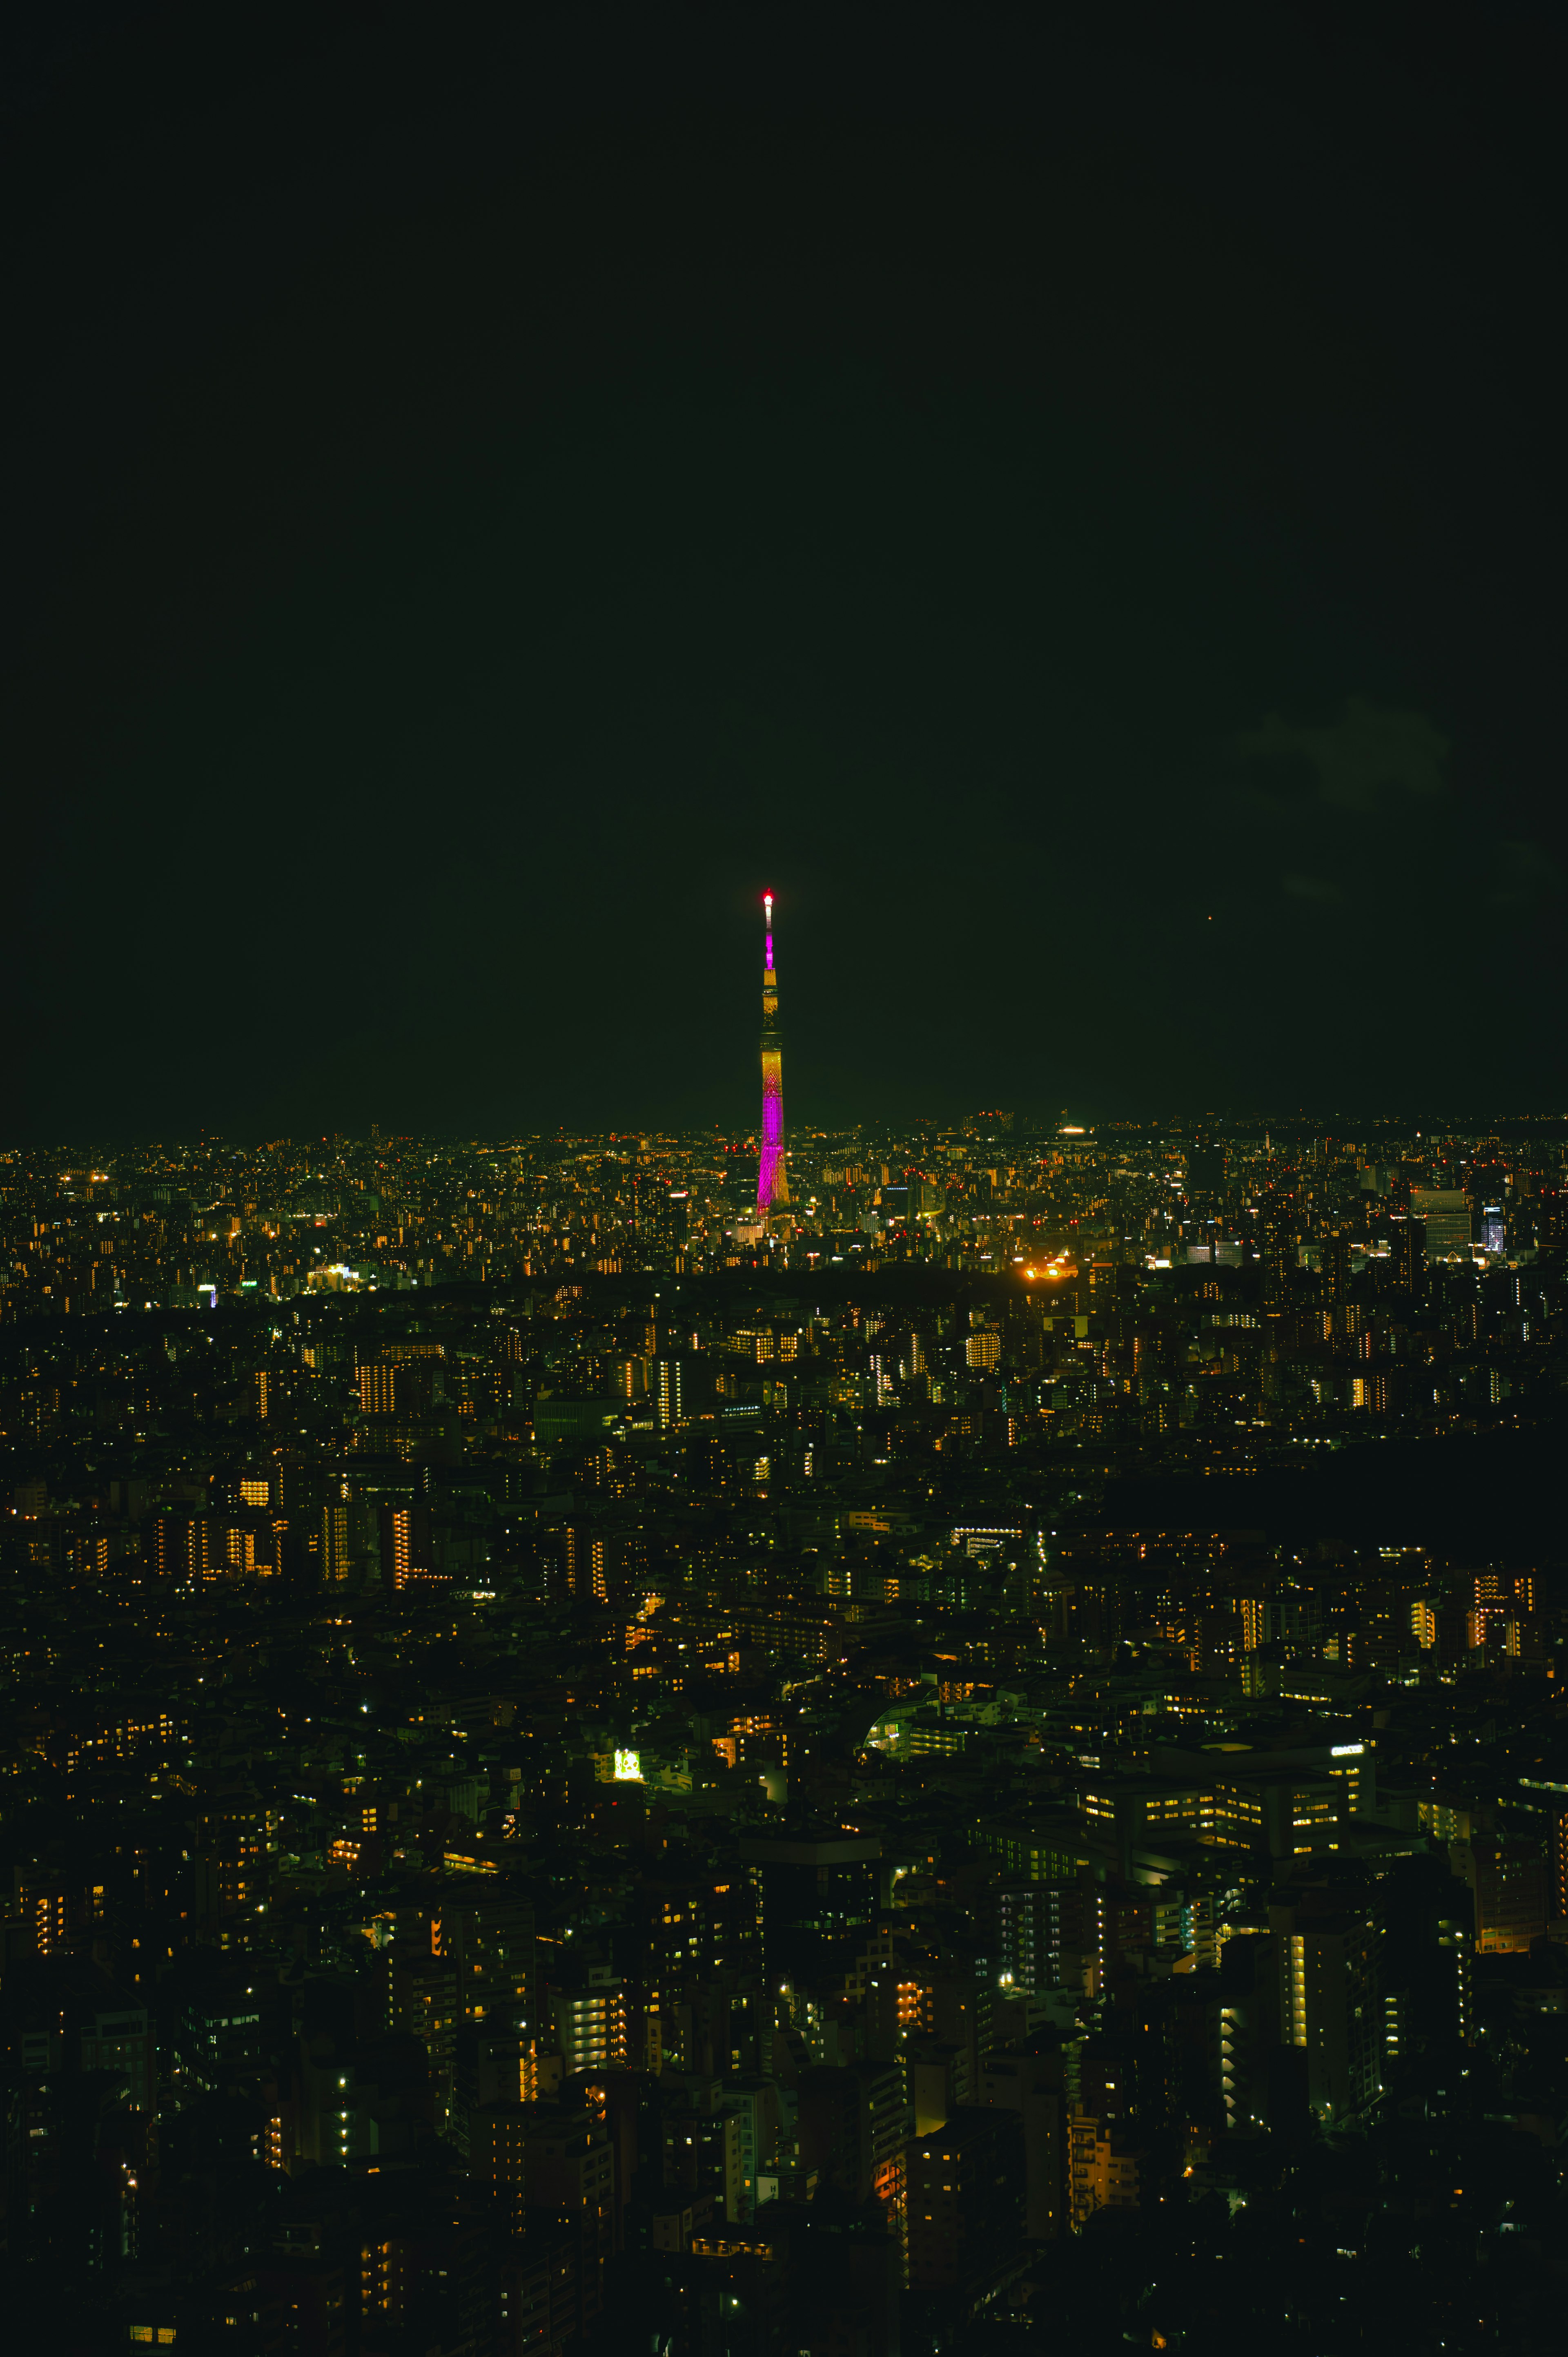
[[1078, 512]]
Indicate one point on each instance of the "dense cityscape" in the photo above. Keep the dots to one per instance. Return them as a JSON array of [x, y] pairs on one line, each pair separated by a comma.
[[595, 1762], [784, 1185]]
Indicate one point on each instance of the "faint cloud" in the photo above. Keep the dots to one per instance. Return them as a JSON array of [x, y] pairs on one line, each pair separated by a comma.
[[1315, 888], [1523, 875], [1370, 754]]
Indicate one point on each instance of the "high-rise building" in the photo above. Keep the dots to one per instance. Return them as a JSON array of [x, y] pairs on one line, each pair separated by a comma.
[[588, 1554], [377, 1390], [1032, 2085], [1446, 1213], [816, 1892], [1041, 1936], [1206, 1166], [1328, 2001], [670, 1390], [853, 2123], [555, 2158], [591, 2024], [397, 1544], [1408, 1253], [772, 1173], [335, 1549], [966, 2208], [1336, 1265], [1510, 1881]]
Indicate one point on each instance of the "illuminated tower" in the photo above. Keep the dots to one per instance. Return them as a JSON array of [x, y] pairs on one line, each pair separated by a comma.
[[772, 1177]]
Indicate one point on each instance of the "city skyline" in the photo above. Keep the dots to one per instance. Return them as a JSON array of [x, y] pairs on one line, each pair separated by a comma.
[[640, 1723], [574, 1754]]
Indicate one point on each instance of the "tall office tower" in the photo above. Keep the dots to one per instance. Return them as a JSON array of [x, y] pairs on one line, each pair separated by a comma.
[[1408, 1253], [772, 1176], [1446, 1213]]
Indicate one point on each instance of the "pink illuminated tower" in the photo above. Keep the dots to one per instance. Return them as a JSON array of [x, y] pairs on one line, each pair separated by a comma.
[[772, 1173]]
